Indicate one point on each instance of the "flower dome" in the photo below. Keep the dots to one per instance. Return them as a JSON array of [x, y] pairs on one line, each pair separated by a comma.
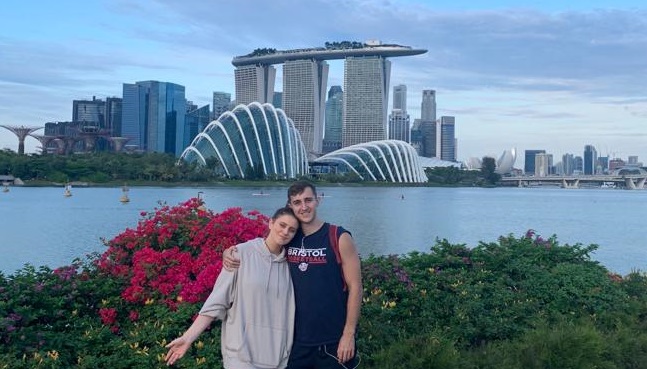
[[251, 137], [386, 160]]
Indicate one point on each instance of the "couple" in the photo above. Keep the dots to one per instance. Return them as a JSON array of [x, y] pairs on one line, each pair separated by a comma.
[[293, 299]]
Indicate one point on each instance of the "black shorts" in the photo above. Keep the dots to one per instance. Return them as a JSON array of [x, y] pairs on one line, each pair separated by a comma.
[[319, 357]]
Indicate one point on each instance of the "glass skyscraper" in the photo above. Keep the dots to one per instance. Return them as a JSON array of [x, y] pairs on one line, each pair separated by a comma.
[[196, 120], [428, 106], [447, 138], [153, 116], [590, 159], [104, 115], [399, 122], [399, 126], [529, 162], [221, 102], [334, 106], [90, 112], [400, 97]]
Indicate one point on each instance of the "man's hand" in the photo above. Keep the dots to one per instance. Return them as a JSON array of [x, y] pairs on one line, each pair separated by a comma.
[[230, 259], [346, 348]]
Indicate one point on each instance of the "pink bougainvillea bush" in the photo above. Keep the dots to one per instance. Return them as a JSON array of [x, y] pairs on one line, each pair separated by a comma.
[[175, 253]]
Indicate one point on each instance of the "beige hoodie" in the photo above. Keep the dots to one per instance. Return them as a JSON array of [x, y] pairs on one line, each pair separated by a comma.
[[256, 305]]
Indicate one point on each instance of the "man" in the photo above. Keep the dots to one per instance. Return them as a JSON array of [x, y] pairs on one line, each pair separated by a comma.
[[327, 287]]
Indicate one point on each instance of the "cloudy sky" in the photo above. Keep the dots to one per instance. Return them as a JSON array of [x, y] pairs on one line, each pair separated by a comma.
[[553, 75]]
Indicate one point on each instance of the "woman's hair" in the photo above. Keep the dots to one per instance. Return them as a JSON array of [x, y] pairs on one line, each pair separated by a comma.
[[283, 211]]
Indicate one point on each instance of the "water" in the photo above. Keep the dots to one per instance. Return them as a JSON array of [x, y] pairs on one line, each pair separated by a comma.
[[42, 227]]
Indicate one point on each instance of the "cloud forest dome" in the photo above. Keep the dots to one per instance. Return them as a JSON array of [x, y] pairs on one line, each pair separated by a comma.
[[251, 137], [386, 160]]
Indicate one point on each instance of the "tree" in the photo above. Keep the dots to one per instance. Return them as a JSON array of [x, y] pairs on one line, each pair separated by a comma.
[[487, 170]]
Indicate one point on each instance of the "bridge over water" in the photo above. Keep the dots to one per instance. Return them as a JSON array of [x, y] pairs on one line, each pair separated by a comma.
[[628, 181]]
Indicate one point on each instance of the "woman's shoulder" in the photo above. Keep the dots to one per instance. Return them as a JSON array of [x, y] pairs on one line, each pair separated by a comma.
[[250, 245]]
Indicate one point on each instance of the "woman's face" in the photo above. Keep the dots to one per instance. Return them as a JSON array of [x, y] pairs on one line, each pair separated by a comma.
[[283, 228]]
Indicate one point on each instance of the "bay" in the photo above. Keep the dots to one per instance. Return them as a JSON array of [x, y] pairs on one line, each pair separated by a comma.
[[40, 226]]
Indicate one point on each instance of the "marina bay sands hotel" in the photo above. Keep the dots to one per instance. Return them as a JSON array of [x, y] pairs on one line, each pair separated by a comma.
[[305, 76]]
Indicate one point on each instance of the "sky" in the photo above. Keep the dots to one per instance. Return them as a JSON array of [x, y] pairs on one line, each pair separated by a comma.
[[552, 75]]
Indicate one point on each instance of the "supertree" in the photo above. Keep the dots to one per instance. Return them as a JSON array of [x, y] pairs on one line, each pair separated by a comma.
[[21, 132]]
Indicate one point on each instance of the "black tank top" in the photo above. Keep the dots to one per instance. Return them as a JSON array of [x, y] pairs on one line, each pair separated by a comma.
[[318, 288]]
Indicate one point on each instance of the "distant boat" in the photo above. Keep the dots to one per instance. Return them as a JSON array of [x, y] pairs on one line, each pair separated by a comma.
[[260, 194], [68, 190], [5, 187], [608, 185], [124, 195]]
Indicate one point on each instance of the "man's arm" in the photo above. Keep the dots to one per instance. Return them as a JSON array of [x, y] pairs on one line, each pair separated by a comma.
[[351, 268]]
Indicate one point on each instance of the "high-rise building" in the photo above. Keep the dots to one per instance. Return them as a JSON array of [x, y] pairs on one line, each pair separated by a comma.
[[366, 93], [400, 97], [221, 102], [399, 126], [399, 121], [254, 83], [551, 166], [113, 115], [542, 164], [196, 120], [428, 106], [579, 165], [632, 160], [417, 137], [602, 165], [429, 131], [447, 138], [568, 164], [153, 116], [103, 115], [89, 112], [334, 106], [304, 99], [590, 159], [277, 99], [335, 90], [529, 167]]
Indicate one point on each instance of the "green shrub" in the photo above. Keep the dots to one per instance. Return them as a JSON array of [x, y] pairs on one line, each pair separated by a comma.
[[421, 352], [520, 302]]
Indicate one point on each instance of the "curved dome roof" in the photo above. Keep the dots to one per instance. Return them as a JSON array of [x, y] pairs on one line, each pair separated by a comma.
[[504, 164], [251, 137], [386, 160], [506, 161]]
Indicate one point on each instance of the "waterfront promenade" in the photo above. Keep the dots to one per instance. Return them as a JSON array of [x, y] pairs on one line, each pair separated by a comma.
[[626, 181]]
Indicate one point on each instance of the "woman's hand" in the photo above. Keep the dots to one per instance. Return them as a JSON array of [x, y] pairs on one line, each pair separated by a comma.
[[177, 348]]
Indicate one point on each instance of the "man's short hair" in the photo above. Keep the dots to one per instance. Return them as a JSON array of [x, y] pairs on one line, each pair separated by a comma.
[[300, 186]]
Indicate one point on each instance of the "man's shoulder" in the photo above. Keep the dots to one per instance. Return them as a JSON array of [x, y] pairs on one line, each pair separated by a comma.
[[340, 229]]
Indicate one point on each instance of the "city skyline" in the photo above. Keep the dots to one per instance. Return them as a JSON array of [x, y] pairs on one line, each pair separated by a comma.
[[514, 74]]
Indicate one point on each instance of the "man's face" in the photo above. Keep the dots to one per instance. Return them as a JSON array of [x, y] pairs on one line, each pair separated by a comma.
[[305, 205]]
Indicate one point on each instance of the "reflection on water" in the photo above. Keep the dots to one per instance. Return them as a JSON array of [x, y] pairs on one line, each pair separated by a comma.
[[42, 227]]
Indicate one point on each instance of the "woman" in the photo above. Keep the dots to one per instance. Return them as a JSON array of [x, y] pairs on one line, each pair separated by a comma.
[[254, 302]]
